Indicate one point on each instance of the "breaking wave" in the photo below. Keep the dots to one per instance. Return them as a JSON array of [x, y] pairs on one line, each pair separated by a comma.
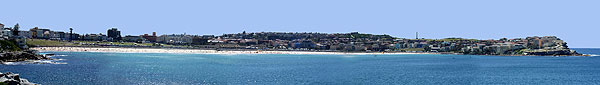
[[35, 62], [59, 55]]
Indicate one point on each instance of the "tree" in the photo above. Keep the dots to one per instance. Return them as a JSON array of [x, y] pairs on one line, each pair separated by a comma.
[[15, 30], [70, 34]]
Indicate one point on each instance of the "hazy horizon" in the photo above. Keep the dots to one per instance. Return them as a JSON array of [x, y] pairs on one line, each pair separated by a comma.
[[573, 21]]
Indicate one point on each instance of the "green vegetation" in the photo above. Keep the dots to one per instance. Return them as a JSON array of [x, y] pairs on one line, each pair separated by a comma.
[[458, 39], [357, 36], [114, 43], [521, 51], [451, 39], [40, 42], [2, 83], [7, 45], [412, 49]]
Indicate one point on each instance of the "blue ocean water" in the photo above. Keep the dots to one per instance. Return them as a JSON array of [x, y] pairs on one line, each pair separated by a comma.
[[91, 68]]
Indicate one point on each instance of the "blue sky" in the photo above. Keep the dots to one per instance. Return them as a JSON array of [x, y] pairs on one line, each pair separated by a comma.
[[576, 21]]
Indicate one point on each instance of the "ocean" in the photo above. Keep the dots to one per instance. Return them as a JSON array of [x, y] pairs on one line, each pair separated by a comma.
[[93, 68]]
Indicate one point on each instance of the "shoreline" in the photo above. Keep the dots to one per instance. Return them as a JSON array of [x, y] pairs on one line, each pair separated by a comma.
[[202, 51]]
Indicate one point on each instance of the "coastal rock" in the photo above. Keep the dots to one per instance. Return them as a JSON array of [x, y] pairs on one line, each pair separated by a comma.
[[548, 45], [538, 46], [13, 56], [13, 79], [556, 52]]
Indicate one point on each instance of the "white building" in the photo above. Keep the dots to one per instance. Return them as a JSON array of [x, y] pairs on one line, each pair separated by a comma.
[[6, 33], [175, 39], [95, 37], [22, 42]]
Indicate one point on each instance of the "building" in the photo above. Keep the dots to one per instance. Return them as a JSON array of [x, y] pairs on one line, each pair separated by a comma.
[[6, 32], [33, 32], [74, 35], [304, 44], [26, 34], [151, 38], [130, 38], [95, 37], [39, 33], [22, 42], [114, 34], [175, 39], [58, 35], [1, 26]]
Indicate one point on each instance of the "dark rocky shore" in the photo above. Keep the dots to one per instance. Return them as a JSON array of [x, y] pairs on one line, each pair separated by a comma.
[[16, 56], [14, 50], [13, 79]]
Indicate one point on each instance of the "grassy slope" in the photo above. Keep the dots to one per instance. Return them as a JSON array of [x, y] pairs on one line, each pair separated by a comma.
[[6, 45], [115, 43], [39, 42]]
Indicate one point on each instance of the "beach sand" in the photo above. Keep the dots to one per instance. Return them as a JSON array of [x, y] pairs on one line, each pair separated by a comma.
[[196, 51]]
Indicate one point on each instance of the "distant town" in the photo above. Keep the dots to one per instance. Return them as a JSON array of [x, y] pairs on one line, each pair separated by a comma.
[[288, 41]]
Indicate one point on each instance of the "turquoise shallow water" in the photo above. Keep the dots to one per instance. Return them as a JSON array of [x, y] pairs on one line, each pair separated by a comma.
[[89, 68]]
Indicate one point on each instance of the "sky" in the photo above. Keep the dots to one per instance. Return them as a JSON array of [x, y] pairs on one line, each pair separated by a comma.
[[575, 21]]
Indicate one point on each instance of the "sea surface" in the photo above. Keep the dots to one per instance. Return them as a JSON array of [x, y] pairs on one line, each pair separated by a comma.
[[92, 68]]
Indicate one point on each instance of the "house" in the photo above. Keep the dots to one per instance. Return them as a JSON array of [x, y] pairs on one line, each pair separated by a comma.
[[21, 42], [303, 44], [95, 37], [175, 39], [26, 34], [6, 32], [74, 35], [130, 38], [57, 35], [151, 38], [40, 33]]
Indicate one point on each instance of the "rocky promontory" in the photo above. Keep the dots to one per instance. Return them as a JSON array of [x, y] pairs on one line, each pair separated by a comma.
[[530, 46], [10, 51], [15, 56], [552, 52]]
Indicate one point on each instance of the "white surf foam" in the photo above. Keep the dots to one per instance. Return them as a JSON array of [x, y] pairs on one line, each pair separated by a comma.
[[60, 55], [35, 62]]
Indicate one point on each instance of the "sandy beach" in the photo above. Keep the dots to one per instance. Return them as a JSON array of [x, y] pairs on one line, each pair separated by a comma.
[[193, 51]]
